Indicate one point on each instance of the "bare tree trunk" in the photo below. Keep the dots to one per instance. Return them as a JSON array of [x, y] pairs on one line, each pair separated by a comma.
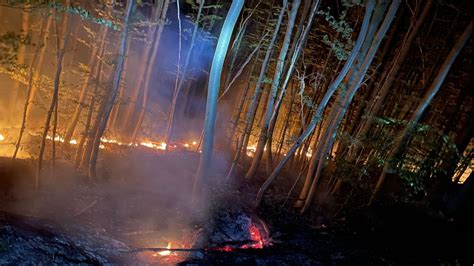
[[30, 85], [114, 90], [263, 138], [240, 107], [286, 123], [339, 110], [147, 81], [25, 23], [85, 86], [34, 87], [85, 157], [212, 94], [394, 70], [53, 143], [80, 146], [299, 44], [57, 76], [179, 84], [321, 148], [407, 133], [318, 113]]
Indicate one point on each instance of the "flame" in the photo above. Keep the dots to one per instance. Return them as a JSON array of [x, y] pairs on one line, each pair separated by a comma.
[[103, 140], [256, 237], [164, 252]]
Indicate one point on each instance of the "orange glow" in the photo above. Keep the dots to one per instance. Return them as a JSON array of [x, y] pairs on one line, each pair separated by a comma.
[[165, 252]]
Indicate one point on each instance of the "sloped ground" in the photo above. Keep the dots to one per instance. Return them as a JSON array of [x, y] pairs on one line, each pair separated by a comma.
[[29, 241], [141, 205]]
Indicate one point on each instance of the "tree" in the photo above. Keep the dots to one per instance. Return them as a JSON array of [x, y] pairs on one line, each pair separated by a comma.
[[114, 90], [318, 113], [251, 113], [60, 51], [263, 137], [180, 81], [431, 92], [213, 92]]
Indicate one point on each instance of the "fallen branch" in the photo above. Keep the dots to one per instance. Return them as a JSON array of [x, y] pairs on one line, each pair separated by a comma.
[[238, 246], [84, 209]]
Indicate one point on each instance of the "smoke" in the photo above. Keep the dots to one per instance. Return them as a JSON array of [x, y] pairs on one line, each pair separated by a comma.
[[139, 190]]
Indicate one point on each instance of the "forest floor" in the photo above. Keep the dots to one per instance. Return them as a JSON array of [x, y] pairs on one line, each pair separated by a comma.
[[142, 200]]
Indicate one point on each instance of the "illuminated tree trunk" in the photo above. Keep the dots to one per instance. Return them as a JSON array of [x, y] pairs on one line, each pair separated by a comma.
[[263, 137], [395, 69], [287, 122], [212, 94], [53, 143], [84, 148], [80, 145], [179, 84], [112, 124], [90, 134], [57, 76], [152, 61], [251, 113], [241, 103], [339, 110], [85, 86], [241, 69], [25, 23], [34, 87], [319, 111], [114, 90], [434, 88], [289, 67], [30, 86], [320, 152]]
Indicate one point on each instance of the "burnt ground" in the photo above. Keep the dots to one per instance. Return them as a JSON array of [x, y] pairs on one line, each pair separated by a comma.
[[143, 201]]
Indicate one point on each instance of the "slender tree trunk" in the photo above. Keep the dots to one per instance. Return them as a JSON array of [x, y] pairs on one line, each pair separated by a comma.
[[80, 146], [85, 156], [434, 88], [25, 23], [179, 84], [212, 94], [83, 93], [320, 152], [147, 81], [299, 44], [57, 76], [39, 65], [30, 85], [114, 90], [395, 69], [286, 123], [318, 113], [263, 138], [240, 107], [338, 113], [53, 143]]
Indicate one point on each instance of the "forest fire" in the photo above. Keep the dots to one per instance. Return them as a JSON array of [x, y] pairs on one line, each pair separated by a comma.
[[162, 132]]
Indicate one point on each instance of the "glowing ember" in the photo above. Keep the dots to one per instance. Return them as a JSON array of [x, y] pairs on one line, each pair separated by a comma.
[[194, 143], [256, 237], [186, 145], [147, 144], [164, 252], [2, 138]]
